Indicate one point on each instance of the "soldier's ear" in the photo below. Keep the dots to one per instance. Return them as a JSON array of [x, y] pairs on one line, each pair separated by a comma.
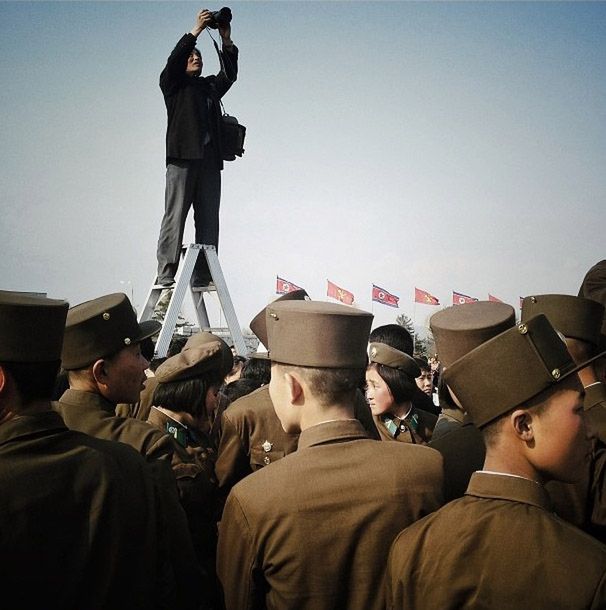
[[523, 424], [294, 387], [99, 372], [2, 379]]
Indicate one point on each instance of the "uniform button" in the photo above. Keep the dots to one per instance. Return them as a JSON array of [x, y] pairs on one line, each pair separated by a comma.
[[266, 460]]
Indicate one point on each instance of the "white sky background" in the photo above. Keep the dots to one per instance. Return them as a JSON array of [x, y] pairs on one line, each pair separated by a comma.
[[448, 146]]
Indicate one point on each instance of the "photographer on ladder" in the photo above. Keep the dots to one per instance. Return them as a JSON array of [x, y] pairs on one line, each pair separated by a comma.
[[194, 158]]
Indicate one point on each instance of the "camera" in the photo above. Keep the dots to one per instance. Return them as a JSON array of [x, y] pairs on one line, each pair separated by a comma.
[[220, 18]]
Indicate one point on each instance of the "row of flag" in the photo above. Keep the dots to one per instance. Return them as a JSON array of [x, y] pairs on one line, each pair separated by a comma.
[[380, 295]]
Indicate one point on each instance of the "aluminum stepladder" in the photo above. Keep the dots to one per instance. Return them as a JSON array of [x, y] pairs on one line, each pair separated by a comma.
[[189, 255]]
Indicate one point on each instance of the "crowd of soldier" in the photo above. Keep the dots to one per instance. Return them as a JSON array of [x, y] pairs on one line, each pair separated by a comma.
[[209, 481]]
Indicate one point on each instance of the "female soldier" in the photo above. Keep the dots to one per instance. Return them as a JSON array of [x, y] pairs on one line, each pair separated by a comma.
[[390, 386]]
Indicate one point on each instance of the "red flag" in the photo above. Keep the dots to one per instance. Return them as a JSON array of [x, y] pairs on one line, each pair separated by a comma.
[[459, 299], [521, 301], [339, 293], [494, 299], [424, 297], [284, 286], [382, 296]]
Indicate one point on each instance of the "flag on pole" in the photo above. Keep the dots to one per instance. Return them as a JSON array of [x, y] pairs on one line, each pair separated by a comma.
[[382, 296], [521, 301], [283, 286], [421, 296], [340, 294], [494, 299], [459, 299]]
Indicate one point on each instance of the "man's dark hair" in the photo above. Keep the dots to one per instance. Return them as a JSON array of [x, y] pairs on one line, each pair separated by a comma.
[[395, 336], [233, 390], [34, 380], [258, 369], [401, 386]]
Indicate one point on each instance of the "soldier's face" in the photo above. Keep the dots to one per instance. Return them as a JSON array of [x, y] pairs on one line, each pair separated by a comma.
[[378, 394], [194, 64], [125, 374], [425, 382], [561, 438]]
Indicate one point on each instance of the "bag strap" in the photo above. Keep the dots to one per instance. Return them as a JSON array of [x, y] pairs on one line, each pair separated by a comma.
[[221, 63]]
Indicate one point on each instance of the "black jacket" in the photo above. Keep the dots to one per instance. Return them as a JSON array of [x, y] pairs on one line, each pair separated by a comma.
[[192, 103]]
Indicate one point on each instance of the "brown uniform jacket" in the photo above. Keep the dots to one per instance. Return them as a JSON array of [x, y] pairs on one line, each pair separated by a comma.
[[94, 415], [313, 530], [410, 431], [252, 436], [499, 547], [79, 521], [463, 451]]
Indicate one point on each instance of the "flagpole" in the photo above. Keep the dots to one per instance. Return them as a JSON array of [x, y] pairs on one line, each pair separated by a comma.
[[414, 330]]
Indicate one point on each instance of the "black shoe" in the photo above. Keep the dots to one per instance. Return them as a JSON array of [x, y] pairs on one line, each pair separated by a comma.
[[166, 283]]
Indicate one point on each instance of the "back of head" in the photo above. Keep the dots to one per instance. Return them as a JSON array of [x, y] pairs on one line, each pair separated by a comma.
[[326, 341], [393, 335], [31, 338], [257, 368]]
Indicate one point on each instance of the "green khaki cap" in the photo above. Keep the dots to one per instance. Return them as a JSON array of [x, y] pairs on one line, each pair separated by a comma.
[[460, 328], [258, 324], [382, 353], [101, 327], [510, 369], [203, 338], [574, 317], [317, 334], [193, 362], [31, 328]]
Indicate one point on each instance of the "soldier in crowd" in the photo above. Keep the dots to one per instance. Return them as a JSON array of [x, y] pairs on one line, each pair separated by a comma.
[[580, 321], [251, 434], [390, 385], [102, 355], [594, 287], [79, 526], [521, 389], [184, 403], [457, 330], [313, 530]]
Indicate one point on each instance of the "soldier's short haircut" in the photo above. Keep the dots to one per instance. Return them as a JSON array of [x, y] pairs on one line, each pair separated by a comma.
[[329, 386], [34, 380], [395, 336]]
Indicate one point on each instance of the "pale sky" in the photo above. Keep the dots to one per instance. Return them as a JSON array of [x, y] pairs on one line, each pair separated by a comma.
[[447, 146]]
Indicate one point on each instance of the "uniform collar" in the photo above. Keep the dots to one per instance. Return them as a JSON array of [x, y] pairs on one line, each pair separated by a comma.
[[332, 432], [454, 414], [87, 400], [23, 425], [508, 487]]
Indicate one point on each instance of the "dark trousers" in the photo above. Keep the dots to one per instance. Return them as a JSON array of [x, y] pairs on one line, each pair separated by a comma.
[[189, 182]]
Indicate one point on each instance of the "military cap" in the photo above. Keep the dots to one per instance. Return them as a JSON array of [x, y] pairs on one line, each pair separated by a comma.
[[459, 328], [101, 327], [574, 317], [193, 362], [317, 334], [381, 353], [31, 328], [258, 324], [225, 356], [594, 287], [510, 369]]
